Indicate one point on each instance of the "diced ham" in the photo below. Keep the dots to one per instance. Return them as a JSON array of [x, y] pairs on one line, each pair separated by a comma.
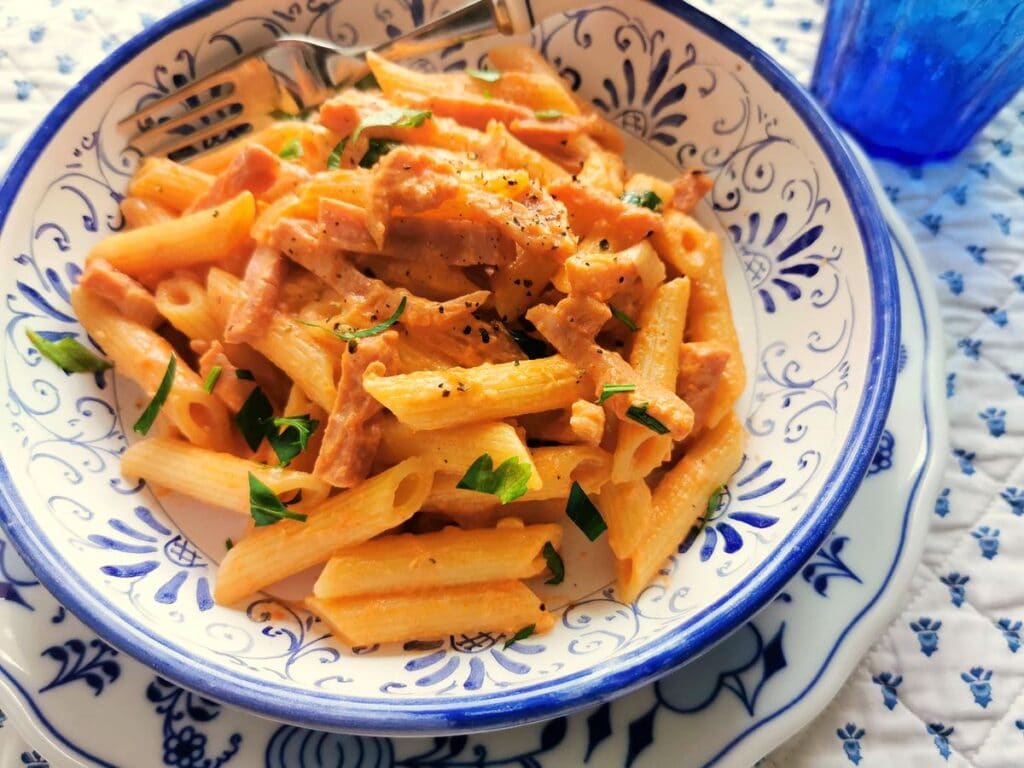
[[351, 438], [598, 212], [264, 274], [131, 299], [701, 364], [570, 326], [255, 168], [469, 109], [229, 389], [689, 189]]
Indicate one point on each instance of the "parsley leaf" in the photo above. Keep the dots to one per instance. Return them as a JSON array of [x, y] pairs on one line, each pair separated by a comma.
[[639, 414], [68, 354], [254, 417], [367, 82], [366, 332], [714, 500], [581, 510], [265, 507], [644, 199], [607, 390], [522, 634], [145, 422], [244, 374], [487, 75], [295, 437], [229, 544], [376, 150], [507, 482], [334, 159], [548, 114], [555, 564], [396, 116], [623, 318], [211, 378], [291, 150]]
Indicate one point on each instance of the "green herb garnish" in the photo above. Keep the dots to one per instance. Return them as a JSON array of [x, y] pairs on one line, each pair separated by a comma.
[[295, 437], [375, 150], [228, 544], [291, 150], [145, 422], [487, 75], [607, 390], [548, 114], [367, 82], [639, 414], [254, 418], [555, 564], [334, 159], [644, 199], [522, 634], [507, 482], [623, 318], [581, 510], [367, 332], [265, 507], [397, 117], [211, 378], [68, 354], [714, 499], [244, 374]]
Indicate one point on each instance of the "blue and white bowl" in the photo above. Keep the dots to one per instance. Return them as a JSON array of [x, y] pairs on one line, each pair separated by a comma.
[[812, 283]]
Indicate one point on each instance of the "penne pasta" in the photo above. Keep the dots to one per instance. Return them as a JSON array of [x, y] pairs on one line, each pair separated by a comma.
[[168, 185]]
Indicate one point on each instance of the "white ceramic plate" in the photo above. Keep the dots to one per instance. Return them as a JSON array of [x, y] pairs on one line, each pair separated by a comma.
[[813, 288]]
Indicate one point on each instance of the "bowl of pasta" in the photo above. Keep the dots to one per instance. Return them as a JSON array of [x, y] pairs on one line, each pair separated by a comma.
[[495, 386]]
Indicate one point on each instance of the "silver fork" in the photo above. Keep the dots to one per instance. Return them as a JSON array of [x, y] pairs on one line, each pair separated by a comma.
[[297, 73]]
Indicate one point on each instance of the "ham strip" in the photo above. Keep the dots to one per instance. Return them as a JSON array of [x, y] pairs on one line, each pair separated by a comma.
[[131, 299], [689, 189], [260, 286], [255, 169], [229, 389], [597, 211]]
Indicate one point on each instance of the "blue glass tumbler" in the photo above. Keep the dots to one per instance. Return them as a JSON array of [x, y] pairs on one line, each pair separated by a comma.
[[914, 80]]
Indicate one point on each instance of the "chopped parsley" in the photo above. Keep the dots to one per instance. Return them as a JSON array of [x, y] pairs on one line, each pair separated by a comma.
[[714, 500], [145, 422], [487, 75], [68, 354], [507, 482], [265, 507], [555, 564], [255, 418], [645, 199], [291, 150], [607, 390], [548, 114], [623, 318], [334, 159], [639, 414], [522, 634], [581, 510], [376, 149], [373, 331], [211, 378], [293, 440], [398, 117], [244, 374]]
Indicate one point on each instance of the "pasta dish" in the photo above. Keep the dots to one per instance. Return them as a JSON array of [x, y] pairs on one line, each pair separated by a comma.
[[416, 339]]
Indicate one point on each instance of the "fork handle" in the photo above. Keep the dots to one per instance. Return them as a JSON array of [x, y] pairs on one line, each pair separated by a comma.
[[517, 17]]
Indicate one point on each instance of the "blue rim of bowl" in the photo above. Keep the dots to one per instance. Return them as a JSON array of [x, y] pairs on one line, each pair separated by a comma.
[[436, 715]]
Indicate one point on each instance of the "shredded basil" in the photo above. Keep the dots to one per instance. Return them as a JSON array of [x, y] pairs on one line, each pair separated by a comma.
[[375, 150], [211, 378], [367, 332], [607, 390], [647, 199], [254, 417], [293, 440], [145, 422], [265, 507], [548, 114], [714, 500], [522, 634], [291, 150], [639, 414], [581, 510], [334, 159], [397, 116], [507, 482], [623, 318], [68, 354], [555, 564]]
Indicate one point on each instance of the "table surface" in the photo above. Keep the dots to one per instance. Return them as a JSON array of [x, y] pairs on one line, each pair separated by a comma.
[[945, 684]]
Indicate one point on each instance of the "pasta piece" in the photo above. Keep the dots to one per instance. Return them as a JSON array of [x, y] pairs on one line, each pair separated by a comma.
[[558, 466], [604, 273], [255, 169], [182, 299], [424, 275], [140, 212], [593, 211], [315, 143], [168, 184], [142, 355], [436, 399], [642, 183], [626, 508], [263, 277], [689, 189], [518, 285], [351, 437], [408, 563], [220, 479], [655, 357], [701, 364], [496, 607], [503, 150], [570, 327], [197, 238], [679, 499], [452, 451], [352, 517], [603, 170], [134, 301], [285, 342], [583, 422], [586, 421]]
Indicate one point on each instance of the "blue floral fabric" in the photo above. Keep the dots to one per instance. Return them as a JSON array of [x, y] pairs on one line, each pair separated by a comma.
[[945, 683]]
